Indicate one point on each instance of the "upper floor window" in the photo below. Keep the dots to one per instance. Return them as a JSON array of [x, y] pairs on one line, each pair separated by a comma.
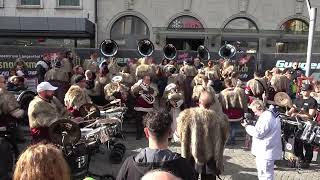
[[185, 23], [29, 2], [295, 25], [241, 24], [75, 3]]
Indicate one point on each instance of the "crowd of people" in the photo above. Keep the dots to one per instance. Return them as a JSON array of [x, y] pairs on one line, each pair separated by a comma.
[[199, 105]]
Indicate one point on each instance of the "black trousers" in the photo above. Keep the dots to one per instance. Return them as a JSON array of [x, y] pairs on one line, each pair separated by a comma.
[[298, 150], [139, 123], [6, 159]]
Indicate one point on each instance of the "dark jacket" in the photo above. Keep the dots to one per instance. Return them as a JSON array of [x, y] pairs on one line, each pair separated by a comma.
[[134, 167]]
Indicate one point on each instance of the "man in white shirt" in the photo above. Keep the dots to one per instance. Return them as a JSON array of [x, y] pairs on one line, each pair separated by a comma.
[[266, 143]]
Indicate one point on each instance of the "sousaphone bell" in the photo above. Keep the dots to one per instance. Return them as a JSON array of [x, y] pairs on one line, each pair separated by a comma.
[[227, 51], [109, 48], [145, 47], [203, 53], [170, 52]]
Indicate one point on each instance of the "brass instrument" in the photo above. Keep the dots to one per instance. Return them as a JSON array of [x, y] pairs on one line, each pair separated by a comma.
[[145, 47], [227, 51], [109, 48], [203, 53], [170, 52]]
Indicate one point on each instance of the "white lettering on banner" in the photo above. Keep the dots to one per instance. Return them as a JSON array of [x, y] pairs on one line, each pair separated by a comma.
[[282, 64]]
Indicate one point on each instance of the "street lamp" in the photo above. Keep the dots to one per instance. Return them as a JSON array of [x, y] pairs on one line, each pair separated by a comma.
[[312, 24]]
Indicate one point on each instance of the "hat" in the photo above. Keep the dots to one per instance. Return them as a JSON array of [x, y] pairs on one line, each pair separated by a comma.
[[45, 86], [306, 87], [79, 78]]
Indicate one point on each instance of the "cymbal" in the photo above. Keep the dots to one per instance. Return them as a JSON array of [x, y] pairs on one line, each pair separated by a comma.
[[283, 100], [66, 127]]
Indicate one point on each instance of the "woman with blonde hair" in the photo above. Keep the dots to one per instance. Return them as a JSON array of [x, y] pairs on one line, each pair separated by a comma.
[[42, 161]]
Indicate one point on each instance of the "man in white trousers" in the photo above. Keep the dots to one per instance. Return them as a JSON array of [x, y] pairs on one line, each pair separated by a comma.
[[266, 139]]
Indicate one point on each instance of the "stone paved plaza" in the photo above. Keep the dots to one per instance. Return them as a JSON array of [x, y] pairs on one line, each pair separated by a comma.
[[239, 164]]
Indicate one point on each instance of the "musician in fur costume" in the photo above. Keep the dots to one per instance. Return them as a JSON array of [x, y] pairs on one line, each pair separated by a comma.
[[190, 72], [212, 71], [144, 69], [113, 67], [174, 98], [59, 78], [203, 133], [91, 64], [77, 96], [256, 87], [115, 89], [173, 76], [204, 86], [234, 104], [197, 80], [127, 79], [278, 83], [44, 110], [227, 70], [144, 93]]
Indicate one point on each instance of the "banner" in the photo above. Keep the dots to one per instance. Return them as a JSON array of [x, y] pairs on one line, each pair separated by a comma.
[[245, 63], [283, 61]]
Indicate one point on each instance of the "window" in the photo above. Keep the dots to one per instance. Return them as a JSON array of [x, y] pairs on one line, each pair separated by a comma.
[[185, 23], [33, 3], [69, 3], [295, 25], [244, 24], [292, 47]]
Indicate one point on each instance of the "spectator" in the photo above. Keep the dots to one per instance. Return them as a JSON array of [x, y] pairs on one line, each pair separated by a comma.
[[42, 66], [266, 139], [157, 155], [42, 161]]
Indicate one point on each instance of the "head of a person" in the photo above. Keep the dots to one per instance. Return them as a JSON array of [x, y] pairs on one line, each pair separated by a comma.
[[59, 55], [268, 74], [157, 126], [258, 74], [159, 175], [88, 74], [210, 63], [295, 65], [42, 161], [205, 80], [306, 89], [228, 83], [317, 87], [68, 54], [275, 71], [46, 57], [19, 64], [289, 73], [80, 80], [94, 56], [45, 90], [206, 99], [165, 61], [78, 70], [2, 82], [257, 107], [147, 80], [196, 61]]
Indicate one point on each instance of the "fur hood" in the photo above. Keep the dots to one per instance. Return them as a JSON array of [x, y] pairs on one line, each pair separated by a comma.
[[258, 86], [203, 134], [76, 97], [279, 83]]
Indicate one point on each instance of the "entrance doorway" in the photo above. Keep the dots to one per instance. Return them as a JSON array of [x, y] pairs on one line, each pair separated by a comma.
[[185, 44]]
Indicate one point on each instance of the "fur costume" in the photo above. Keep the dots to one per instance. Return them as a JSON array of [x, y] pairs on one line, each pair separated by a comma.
[[257, 86], [197, 90], [279, 83], [237, 83], [57, 74], [142, 92], [197, 80], [174, 78], [96, 90], [188, 70], [143, 70], [213, 73], [42, 113], [66, 65], [233, 98], [76, 97], [203, 134], [91, 65], [127, 79], [112, 88], [227, 72], [8, 103], [113, 67]]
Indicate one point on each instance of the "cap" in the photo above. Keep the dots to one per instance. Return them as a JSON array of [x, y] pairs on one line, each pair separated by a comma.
[[306, 87], [45, 86]]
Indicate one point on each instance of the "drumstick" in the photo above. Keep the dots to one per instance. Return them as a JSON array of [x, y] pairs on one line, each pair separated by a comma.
[[89, 114]]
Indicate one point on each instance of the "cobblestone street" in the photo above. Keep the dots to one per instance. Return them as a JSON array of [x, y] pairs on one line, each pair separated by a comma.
[[239, 164]]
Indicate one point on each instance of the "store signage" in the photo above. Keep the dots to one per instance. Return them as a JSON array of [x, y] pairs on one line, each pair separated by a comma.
[[185, 22]]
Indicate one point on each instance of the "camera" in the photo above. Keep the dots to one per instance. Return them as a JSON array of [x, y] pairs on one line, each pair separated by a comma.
[[249, 119]]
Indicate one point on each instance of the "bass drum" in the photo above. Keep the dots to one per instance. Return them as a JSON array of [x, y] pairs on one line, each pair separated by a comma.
[[25, 98]]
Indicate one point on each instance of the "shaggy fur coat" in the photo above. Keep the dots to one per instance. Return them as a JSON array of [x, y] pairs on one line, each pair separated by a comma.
[[233, 98], [203, 134], [42, 113], [8, 102], [256, 87], [189, 70], [76, 97], [279, 83]]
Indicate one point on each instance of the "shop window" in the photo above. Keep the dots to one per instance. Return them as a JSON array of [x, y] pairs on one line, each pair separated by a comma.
[[185, 23], [292, 47], [66, 3], [244, 24], [295, 25], [128, 30]]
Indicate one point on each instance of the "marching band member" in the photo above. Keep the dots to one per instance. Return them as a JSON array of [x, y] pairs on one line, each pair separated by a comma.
[[190, 72], [59, 78], [77, 96], [197, 80], [145, 94], [212, 71], [44, 110], [115, 89], [113, 67], [203, 133], [144, 69], [67, 63], [91, 64], [204, 86], [257, 87], [174, 97], [279, 83], [77, 70], [173, 76], [234, 104], [227, 70], [127, 79]]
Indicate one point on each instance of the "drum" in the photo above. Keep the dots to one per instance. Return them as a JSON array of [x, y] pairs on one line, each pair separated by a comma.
[[78, 160], [308, 132], [24, 98], [316, 140]]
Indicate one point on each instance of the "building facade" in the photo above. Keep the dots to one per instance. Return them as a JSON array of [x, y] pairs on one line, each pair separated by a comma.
[[48, 23], [256, 26]]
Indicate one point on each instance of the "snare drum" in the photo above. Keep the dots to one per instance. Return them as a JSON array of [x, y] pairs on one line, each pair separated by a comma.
[[308, 132]]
